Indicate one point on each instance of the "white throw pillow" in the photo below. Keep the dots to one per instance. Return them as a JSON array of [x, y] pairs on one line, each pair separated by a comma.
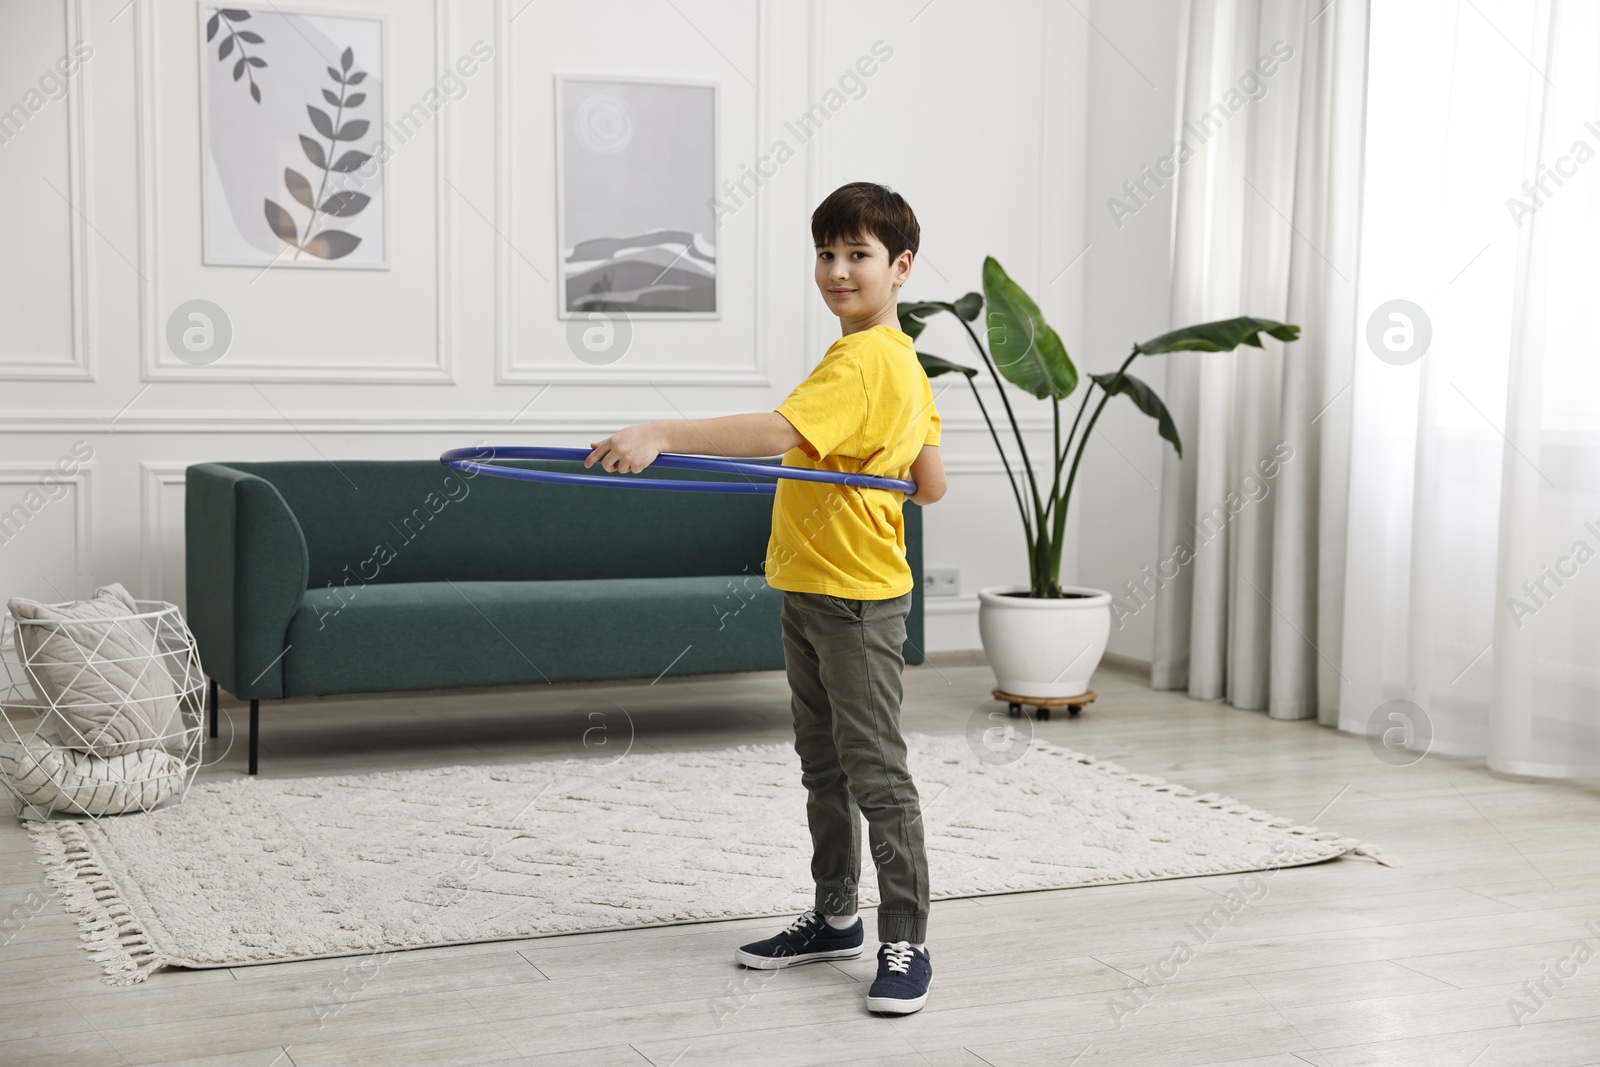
[[107, 681], [53, 779]]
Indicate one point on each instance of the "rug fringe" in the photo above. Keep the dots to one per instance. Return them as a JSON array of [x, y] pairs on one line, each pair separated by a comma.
[[1351, 845], [110, 932]]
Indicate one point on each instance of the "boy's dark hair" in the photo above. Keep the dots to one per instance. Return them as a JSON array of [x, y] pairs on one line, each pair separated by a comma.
[[859, 209]]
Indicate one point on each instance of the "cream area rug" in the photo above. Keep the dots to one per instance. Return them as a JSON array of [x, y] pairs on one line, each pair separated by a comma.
[[249, 871]]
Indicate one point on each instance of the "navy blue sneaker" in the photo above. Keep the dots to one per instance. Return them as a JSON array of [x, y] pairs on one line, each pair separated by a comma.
[[904, 974], [809, 939]]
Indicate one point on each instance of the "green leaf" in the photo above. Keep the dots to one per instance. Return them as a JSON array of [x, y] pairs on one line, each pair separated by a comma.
[[913, 316], [934, 366], [1145, 399], [1223, 335], [915, 313], [1024, 347]]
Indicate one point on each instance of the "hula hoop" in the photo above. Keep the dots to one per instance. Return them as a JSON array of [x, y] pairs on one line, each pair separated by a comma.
[[467, 460]]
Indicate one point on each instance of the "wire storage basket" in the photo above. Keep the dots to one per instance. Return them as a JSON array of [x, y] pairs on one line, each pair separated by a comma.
[[102, 710]]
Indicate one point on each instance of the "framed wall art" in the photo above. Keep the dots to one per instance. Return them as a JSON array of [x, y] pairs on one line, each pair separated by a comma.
[[291, 125], [636, 174]]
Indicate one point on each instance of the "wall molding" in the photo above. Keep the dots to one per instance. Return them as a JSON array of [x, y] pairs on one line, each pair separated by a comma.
[[147, 120], [154, 476], [80, 367], [508, 371], [816, 56], [980, 466], [373, 422], [82, 482]]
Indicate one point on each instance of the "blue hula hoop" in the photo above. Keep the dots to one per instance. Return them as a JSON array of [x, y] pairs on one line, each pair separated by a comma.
[[469, 461]]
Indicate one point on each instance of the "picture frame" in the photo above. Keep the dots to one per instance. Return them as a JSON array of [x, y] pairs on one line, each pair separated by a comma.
[[636, 181], [292, 127]]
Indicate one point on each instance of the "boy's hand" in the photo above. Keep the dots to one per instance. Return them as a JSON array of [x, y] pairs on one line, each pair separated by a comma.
[[627, 451]]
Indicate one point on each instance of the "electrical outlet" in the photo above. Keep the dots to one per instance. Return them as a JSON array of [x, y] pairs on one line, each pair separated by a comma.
[[943, 581]]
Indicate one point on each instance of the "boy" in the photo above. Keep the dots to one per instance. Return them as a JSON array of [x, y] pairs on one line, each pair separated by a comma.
[[838, 555]]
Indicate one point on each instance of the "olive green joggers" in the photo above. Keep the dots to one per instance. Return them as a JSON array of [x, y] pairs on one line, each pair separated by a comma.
[[843, 661]]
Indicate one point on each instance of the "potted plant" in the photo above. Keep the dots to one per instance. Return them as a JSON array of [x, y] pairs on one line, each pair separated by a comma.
[[1044, 639]]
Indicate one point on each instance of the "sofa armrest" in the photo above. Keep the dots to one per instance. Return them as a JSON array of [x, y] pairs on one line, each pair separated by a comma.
[[247, 568]]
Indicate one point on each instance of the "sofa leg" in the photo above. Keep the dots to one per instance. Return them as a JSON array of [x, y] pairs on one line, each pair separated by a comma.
[[255, 722], [212, 706]]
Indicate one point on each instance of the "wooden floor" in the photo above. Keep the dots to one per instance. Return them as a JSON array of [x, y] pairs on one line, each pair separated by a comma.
[[1339, 964]]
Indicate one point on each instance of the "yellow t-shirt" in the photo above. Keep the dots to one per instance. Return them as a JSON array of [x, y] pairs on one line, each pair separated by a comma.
[[867, 408]]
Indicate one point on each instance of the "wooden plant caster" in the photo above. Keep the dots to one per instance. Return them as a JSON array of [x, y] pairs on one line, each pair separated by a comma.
[[1073, 705]]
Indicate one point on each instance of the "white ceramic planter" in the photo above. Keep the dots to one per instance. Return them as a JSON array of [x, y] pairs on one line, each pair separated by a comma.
[[1043, 647]]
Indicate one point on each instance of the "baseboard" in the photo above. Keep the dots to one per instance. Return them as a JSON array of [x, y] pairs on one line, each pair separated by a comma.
[[957, 657], [1127, 663]]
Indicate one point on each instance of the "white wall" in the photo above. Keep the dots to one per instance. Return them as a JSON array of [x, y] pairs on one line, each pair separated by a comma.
[[1132, 88], [984, 118], [979, 121]]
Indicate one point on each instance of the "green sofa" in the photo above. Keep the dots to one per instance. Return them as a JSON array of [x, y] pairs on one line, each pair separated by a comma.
[[313, 578]]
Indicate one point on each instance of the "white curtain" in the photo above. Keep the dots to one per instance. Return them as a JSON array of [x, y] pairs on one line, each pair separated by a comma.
[[1265, 224], [1473, 569]]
